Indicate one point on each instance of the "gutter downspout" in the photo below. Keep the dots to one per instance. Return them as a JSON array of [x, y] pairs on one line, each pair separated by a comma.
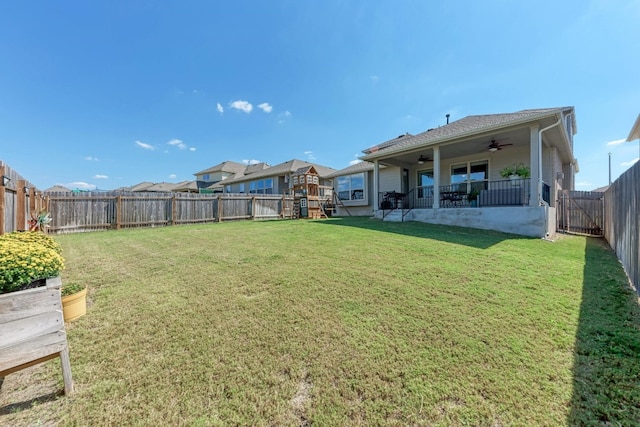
[[540, 157]]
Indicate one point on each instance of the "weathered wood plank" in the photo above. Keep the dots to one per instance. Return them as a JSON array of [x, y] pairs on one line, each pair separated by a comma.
[[31, 350], [27, 328], [32, 302]]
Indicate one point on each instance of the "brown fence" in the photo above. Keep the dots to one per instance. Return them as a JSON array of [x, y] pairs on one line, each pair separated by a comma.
[[19, 199], [580, 212], [622, 228], [89, 211]]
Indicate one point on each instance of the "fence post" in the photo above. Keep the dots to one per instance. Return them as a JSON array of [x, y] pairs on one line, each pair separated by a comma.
[[173, 210], [21, 202], [283, 205], [118, 211], [3, 205], [253, 207], [220, 210]]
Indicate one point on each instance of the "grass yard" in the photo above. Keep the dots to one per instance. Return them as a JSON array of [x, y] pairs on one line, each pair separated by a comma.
[[340, 322]]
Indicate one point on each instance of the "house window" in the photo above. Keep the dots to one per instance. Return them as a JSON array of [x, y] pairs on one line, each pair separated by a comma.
[[241, 187], [228, 188], [263, 186], [471, 175], [351, 187], [205, 177], [425, 183]]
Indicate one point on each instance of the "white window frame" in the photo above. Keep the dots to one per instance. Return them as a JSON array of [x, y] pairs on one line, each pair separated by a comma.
[[354, 201]]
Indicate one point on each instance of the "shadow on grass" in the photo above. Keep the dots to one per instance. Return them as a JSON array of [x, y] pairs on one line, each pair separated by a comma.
[[606, 371], [27, 404], [480, 239]]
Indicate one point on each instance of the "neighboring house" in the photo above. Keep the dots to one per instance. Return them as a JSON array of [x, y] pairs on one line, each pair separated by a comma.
[[453, 174], [273, 180], [160, 187], [186, 187], [57, 189], [218, 173], [142, 186]]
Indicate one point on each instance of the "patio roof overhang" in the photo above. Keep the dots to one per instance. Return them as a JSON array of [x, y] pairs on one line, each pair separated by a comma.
[[477, 141]]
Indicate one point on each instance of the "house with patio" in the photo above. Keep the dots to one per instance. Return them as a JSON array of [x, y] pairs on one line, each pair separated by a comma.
[[495, 171]]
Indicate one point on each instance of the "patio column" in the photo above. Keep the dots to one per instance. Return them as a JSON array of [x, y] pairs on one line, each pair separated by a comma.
[[535, 147], [436, 177], [376, 191]]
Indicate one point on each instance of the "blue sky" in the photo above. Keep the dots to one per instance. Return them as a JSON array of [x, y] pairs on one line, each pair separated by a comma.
[[111, 93]]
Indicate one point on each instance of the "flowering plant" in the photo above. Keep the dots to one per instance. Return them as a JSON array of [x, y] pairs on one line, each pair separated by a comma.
[[39, 222], [25, 258]]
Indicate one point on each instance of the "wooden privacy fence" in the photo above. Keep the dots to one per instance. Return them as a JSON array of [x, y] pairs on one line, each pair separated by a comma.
[[622, 226], [581, 212], [18, 200], [88, 211]]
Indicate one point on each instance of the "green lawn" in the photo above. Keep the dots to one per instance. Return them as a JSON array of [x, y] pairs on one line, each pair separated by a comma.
[[340, 322]]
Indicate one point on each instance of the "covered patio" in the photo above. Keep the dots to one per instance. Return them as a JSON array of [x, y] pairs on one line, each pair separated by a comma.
[[506, 164]]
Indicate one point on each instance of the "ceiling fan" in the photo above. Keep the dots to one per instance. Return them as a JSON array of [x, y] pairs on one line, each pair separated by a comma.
[[495, 145], [423, 159]]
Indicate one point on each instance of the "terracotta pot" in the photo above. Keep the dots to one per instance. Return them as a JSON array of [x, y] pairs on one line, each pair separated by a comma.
[[74, 306]]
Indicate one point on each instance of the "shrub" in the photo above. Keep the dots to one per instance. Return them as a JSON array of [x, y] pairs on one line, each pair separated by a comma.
[[33, 238], [22, 262]]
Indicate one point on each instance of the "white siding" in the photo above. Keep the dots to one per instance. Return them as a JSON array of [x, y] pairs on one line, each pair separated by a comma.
[[390, 179]]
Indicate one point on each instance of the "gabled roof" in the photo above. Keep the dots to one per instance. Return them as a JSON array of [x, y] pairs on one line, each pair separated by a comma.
[[464, 127], [227, 166], [305, 170], [281, 170], [186, 186], [635, 131], [141, 186], [255, 167], [57, 189], [355, 168], [161, 187]]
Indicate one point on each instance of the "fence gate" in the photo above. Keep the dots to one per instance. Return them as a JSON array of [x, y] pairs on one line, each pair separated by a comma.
[[581, 212]]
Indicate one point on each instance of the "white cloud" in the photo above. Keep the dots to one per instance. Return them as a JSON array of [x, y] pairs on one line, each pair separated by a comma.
[[630, 163], [310, 155], [192, 148], [584, 184], [91, 158], [251, 162], [80, 186], [375, 79], [173, 176], [145, 146], [101, 177], [177, 143], [282, 117], [265, 107], [219, 108], [354, 162], [616, 142], [242, 106]]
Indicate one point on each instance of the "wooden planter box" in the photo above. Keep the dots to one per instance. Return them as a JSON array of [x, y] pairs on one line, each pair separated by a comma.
[[32, 330]]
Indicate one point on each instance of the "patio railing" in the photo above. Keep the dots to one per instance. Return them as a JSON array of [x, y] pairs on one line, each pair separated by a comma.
[[510, 192]]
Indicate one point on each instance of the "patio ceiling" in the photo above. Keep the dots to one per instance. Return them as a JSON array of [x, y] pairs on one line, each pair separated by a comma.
[[479, 145]]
